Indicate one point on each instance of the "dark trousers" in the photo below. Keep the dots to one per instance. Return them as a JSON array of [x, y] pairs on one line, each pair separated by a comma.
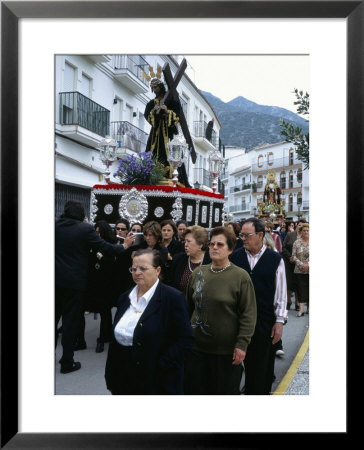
[[69, 307], [210, 374], [105, 326], [259, 364]]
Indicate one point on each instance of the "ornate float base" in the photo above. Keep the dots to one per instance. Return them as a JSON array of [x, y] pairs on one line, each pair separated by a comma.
[[140, 203]]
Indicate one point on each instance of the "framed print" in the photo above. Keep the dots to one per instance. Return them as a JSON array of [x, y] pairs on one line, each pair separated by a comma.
[[12, 206]]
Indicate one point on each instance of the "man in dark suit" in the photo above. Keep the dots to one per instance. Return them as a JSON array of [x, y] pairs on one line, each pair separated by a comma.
[[74, 239], [152, 334]]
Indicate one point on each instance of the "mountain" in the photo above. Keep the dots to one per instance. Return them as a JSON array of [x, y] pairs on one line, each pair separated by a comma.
[[247, 124]]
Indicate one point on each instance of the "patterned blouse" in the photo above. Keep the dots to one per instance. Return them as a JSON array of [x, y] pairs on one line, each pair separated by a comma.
[[186, 275], [301, 255]]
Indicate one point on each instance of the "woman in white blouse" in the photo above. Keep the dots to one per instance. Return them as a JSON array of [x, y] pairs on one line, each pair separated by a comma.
[[152, 334]]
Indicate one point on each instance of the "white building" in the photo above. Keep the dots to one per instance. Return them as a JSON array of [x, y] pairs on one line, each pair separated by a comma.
[[97, 95], [246, 176]]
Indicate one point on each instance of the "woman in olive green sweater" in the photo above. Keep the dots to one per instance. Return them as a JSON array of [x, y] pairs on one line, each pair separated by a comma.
[[222, 306]]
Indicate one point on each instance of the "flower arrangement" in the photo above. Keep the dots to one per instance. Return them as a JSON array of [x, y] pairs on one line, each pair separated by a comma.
[[271, 207], [140, 169]]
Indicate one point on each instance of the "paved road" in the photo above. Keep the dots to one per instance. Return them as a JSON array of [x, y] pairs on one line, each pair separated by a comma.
[[89, 380]]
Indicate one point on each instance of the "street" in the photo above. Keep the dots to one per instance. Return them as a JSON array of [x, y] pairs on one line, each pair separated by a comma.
[[89, 380]]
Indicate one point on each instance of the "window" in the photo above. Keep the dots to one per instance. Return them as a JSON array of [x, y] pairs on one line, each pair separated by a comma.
[[260, 161], [290, 202], [270, 158], [69, 78], [291, 179], [283, 180], [291, 156], [86, 86], [299, 176], [184, 104], [260, 181]]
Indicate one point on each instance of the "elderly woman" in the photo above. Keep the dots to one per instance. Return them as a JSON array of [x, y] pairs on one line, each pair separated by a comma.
[[195, 239], [301, 259], [223, 312], [152, 334]]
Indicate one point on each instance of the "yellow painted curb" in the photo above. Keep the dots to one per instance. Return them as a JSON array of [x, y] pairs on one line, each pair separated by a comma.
[[291, 372]]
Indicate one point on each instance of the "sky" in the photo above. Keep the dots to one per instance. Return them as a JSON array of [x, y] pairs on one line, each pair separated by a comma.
[[263, 79]]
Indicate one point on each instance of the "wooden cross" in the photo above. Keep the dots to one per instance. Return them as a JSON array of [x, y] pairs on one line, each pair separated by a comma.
[[172, 93]]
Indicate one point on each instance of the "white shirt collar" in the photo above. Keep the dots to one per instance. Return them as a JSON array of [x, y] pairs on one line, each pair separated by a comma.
[[145, 298], [259, 254]]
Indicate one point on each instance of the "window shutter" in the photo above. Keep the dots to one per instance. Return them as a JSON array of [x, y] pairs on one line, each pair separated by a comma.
[[69, 78]]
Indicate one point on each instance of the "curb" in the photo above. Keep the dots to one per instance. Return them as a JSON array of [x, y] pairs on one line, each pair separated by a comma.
[[292, 371]]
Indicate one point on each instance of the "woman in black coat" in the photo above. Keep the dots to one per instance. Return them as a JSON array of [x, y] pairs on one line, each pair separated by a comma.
[[99, 294], [152, 334]]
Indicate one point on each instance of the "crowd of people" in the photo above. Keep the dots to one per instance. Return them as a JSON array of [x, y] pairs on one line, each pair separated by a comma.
[[194, 307]]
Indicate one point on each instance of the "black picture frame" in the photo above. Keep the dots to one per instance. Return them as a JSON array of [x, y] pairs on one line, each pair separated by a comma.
[[11, 12]]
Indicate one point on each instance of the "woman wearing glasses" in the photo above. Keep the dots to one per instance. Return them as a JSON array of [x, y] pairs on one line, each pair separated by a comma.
[[222, 304], [151, 334], [121, 230]]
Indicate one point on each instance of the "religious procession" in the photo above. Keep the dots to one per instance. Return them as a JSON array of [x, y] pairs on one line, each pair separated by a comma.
[[180, 265]]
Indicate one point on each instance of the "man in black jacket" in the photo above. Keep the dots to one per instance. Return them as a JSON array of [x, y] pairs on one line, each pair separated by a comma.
[[74, 239]]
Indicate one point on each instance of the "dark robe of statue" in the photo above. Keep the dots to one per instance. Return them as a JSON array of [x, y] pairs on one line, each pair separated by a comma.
[[164, 128]]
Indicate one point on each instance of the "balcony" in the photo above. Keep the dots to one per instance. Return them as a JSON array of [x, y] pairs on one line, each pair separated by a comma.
[[131, 137], [305, 205], [297, 208], [224, 175], [202, 176], [276, 163], [98, 59], [239, 188], [128, 71], [199, 131], [240, 208], [82, 119]]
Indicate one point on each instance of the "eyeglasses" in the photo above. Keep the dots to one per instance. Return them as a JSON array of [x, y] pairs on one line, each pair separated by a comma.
[[134, 230], [141, 268], [246, 235], [121, 229], [219, 244]]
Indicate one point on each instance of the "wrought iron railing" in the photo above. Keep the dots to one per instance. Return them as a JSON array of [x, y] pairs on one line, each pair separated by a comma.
[[199, 130], [130, 136], [274, 163], [241, 207], [77, 109], [240, 187], [136, 64]]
